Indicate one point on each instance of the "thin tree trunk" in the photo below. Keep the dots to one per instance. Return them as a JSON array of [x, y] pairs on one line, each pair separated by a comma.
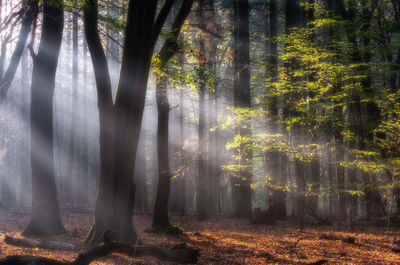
[[202, 176], [275, 158], [29, 15], [73, 149], [182, 179], [160, 215], [25, 145], [85, 152]]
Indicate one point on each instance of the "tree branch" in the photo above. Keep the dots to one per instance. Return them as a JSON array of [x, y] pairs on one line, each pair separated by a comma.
[[162, 16], [170, 46]]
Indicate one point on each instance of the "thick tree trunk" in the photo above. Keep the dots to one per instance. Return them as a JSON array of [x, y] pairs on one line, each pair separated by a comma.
[[129, 105], [115, 201], [141, 202], [45, 218], [104, 201], [242, 99]]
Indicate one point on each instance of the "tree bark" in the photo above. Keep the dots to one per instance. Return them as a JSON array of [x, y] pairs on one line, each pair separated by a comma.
[[104, 201], [45, 218], [73, 147], [141, 202], [242, 99], [202, 174], [120, 123], [25, 141], [275, 158], [170, 47]]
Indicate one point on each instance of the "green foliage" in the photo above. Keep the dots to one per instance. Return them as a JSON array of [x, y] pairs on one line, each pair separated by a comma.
[[319, 87]]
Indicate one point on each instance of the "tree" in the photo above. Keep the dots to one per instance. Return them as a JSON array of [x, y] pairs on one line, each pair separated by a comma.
[[28, 15], [202, 177], [73, 146], [25, 163], [168, 50], [120, 122], [45, 219], [242, 99], [277, 162]]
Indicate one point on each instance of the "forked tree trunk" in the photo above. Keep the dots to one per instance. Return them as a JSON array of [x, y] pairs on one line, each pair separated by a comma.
[[120, 123], [129, 105], [45, 218]]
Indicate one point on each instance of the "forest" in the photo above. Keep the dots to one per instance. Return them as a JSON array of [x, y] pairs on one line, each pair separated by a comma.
[[199, 131]]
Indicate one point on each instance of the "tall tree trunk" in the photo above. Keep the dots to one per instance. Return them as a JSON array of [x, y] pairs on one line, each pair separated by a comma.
[[45, 218], [160, 214], [117, 189], [104, 201], [242, 99], [73, 148], [170, 47], [275, 158], [315, 167], [336, 169], [25, 145], [213, 174], [202, 175], [85, 152], [182, 179], [129, 105], [294, 19]]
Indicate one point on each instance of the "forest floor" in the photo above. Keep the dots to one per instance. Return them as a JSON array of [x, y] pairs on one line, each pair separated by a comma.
[[223, 240]]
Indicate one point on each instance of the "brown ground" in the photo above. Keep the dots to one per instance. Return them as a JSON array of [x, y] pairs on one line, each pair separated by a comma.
[[230, 241]]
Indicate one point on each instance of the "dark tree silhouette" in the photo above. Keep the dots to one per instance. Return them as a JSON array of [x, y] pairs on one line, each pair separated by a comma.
[[45, 218], [168, 50]]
